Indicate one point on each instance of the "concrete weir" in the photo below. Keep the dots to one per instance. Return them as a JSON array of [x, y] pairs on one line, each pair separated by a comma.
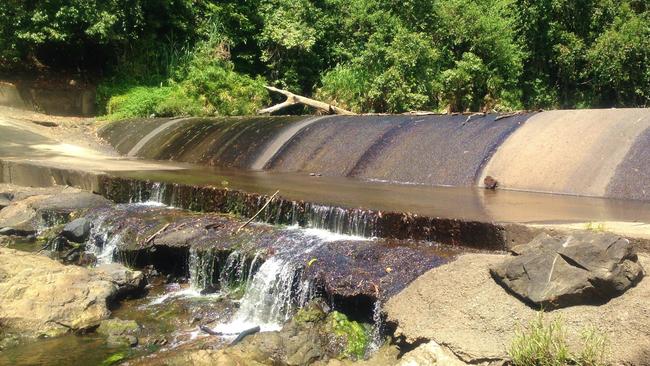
[[597, 153], [359, 163]]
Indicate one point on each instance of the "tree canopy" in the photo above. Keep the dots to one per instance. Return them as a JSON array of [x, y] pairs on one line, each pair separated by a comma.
[[213, 57]]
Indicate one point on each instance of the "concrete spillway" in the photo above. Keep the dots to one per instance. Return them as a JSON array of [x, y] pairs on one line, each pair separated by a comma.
[[601, 153]]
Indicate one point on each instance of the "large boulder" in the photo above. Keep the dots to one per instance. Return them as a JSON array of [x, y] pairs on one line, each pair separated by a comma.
[[42, 297], [581, 268]]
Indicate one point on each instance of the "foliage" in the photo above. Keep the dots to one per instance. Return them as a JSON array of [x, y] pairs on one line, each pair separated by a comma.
[[212, 57], [205, 83], [544, 343]]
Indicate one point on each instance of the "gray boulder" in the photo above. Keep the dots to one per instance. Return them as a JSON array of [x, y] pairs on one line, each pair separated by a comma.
[[129, 283], [581, 268], [77, 230]]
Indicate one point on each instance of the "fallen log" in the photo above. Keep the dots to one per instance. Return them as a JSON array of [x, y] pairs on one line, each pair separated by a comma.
[[293, 99]]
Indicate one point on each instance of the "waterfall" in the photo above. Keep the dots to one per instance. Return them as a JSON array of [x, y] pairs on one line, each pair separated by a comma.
[[202, 266], [103, 239], [377, 328], [278, 287], [340, 221]]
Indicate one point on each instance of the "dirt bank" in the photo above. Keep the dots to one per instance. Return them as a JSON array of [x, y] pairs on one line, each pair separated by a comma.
[[460, 306]]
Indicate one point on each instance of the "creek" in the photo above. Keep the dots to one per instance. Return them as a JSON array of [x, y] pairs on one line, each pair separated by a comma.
[[207, 269]]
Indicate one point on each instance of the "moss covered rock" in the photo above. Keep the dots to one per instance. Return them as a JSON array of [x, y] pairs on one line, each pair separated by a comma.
[[352, 336]]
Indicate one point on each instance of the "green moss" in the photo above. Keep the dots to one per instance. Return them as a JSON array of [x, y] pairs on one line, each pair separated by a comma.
[[353, 334], [114, 358], [117, 327], [50, 233], [311, 313]]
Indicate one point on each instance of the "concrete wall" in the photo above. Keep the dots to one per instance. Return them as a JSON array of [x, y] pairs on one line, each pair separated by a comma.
[[601, 153], [55, 101]]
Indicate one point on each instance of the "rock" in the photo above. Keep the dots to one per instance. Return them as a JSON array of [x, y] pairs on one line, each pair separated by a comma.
[[582, 268], [87, 259], [490, 183], [5, 199], [77, 230], [10, 231], [119, 332], [36, 211], [129, 283], [42, 297], [312, 337], [430, 353], [460, 306]]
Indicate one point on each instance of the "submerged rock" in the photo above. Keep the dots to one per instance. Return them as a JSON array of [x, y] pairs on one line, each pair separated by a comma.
[[582, 268], [119, 332], [42, 297]]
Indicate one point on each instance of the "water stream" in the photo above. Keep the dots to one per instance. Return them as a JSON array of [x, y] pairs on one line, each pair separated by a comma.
[[268, 278]]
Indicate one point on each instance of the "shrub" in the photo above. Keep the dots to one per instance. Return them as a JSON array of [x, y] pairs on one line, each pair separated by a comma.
[[139, 101]]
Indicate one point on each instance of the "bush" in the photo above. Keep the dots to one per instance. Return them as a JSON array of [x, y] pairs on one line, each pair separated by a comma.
[[204, 83], [137, 102], [545, 344]]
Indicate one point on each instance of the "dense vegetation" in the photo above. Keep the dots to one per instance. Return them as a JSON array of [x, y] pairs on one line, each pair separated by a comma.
[[213, 57]]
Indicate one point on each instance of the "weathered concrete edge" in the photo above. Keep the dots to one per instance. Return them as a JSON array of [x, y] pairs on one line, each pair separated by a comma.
[[25, 95], [398, 225]]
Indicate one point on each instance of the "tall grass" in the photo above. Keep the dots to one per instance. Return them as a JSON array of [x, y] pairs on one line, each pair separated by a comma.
[[544, 343]]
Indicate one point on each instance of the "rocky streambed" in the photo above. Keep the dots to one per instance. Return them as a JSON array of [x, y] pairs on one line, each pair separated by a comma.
[[86, 281], [144, 283]]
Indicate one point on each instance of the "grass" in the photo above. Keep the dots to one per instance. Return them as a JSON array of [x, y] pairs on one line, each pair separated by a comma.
[[597, 227], [544, 343]]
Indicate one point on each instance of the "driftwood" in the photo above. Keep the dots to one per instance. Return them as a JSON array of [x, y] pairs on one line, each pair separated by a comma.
[[239, 338], [152, 237], [244, 334], [293, 99], [258, 212]]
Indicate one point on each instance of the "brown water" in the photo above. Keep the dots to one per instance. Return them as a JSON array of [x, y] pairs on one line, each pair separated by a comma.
[[467, 203], [62, 351]]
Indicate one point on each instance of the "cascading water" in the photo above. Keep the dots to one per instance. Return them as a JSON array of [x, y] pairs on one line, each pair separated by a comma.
[[377, 328], [266, 275], [103, 240], [279, 287], [202, 266], [339, 220]]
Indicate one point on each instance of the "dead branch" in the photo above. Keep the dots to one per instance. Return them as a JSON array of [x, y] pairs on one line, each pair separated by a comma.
[[258, 212], [152, 237], [293, 99]]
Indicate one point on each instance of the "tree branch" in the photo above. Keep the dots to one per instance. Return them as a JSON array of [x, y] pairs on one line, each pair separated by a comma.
[[293, 99]]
